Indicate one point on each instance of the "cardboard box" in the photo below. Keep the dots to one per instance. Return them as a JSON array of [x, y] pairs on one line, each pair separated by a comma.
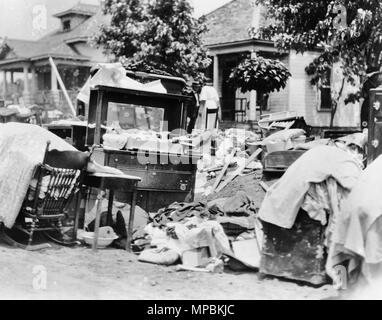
[[196, 258]]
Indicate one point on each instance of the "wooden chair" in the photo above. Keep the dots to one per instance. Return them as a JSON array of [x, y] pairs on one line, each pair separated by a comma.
[[57, 179], [212, 112]]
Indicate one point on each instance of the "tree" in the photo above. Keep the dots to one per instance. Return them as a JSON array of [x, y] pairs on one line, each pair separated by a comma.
[[349, 32], [260, 74], [154, 35]]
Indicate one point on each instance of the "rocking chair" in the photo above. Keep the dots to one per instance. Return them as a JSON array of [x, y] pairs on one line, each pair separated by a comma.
[[55, 182]]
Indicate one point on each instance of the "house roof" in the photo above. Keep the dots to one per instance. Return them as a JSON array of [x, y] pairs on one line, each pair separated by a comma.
[[230, 23], [79, 8], [227, 24], [56, 44]]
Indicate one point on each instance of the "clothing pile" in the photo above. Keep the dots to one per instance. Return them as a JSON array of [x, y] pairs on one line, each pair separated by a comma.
[[177, 212], [237, 214], [182, 236], [183, 227]]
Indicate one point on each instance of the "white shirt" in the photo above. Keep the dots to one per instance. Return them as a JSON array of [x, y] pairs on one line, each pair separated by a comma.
[[210, 95]]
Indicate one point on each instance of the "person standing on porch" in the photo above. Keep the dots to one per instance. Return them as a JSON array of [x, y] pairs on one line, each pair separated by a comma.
[[209, 111], [193, 107]]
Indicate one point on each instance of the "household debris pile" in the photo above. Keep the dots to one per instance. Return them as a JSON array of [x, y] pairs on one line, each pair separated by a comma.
[[319, 194]]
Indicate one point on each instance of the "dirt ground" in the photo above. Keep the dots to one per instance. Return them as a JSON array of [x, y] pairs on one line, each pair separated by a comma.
[[79, 273], [115, 274]]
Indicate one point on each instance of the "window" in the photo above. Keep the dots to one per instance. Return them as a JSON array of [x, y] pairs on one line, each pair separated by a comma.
[[66, 25], [325, 93], [262, 101], [209, 72], [129, 116]]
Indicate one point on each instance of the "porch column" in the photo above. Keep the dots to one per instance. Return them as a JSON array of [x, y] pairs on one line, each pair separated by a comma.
[[216, 72], [5, 84], [34, 79], [26, 80], [26, 93], [252, 106], [33, 84], [54, 88], [53, 80], [253, 99], [13, 87]]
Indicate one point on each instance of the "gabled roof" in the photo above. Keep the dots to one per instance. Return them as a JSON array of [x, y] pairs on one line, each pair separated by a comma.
[[230, 23], [82, 31], [57, 43], [27, 49], [81, 9]]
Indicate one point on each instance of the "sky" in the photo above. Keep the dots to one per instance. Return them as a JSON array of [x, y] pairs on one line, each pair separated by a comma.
[[23, 19]]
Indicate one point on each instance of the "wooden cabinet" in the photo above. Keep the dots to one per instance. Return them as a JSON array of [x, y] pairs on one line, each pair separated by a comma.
[[163, 181]]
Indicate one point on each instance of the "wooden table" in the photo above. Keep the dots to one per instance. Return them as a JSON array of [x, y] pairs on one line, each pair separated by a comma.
[[112, 183]]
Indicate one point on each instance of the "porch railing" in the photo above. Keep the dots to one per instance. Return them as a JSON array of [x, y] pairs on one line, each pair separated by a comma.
[[55, 100], [235, 109]]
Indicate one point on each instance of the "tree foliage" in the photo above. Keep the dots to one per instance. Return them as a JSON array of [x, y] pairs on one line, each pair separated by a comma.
[[152, 35], [352, 37], [260, 74]]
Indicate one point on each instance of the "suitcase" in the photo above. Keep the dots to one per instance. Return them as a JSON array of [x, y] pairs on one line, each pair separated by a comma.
[[298, 253]]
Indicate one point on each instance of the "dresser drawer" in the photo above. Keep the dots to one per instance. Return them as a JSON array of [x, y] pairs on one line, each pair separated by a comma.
[[154, 162], [160, 180]]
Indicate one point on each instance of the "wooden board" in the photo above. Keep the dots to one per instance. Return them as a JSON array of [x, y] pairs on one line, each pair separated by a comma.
[[222, 173]]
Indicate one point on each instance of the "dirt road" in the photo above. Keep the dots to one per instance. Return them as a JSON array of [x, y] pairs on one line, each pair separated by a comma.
[[78, 273]]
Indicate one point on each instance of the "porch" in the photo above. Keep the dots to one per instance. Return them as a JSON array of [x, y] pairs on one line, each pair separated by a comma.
[[27, 83], [54, 100], [238, 107]]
